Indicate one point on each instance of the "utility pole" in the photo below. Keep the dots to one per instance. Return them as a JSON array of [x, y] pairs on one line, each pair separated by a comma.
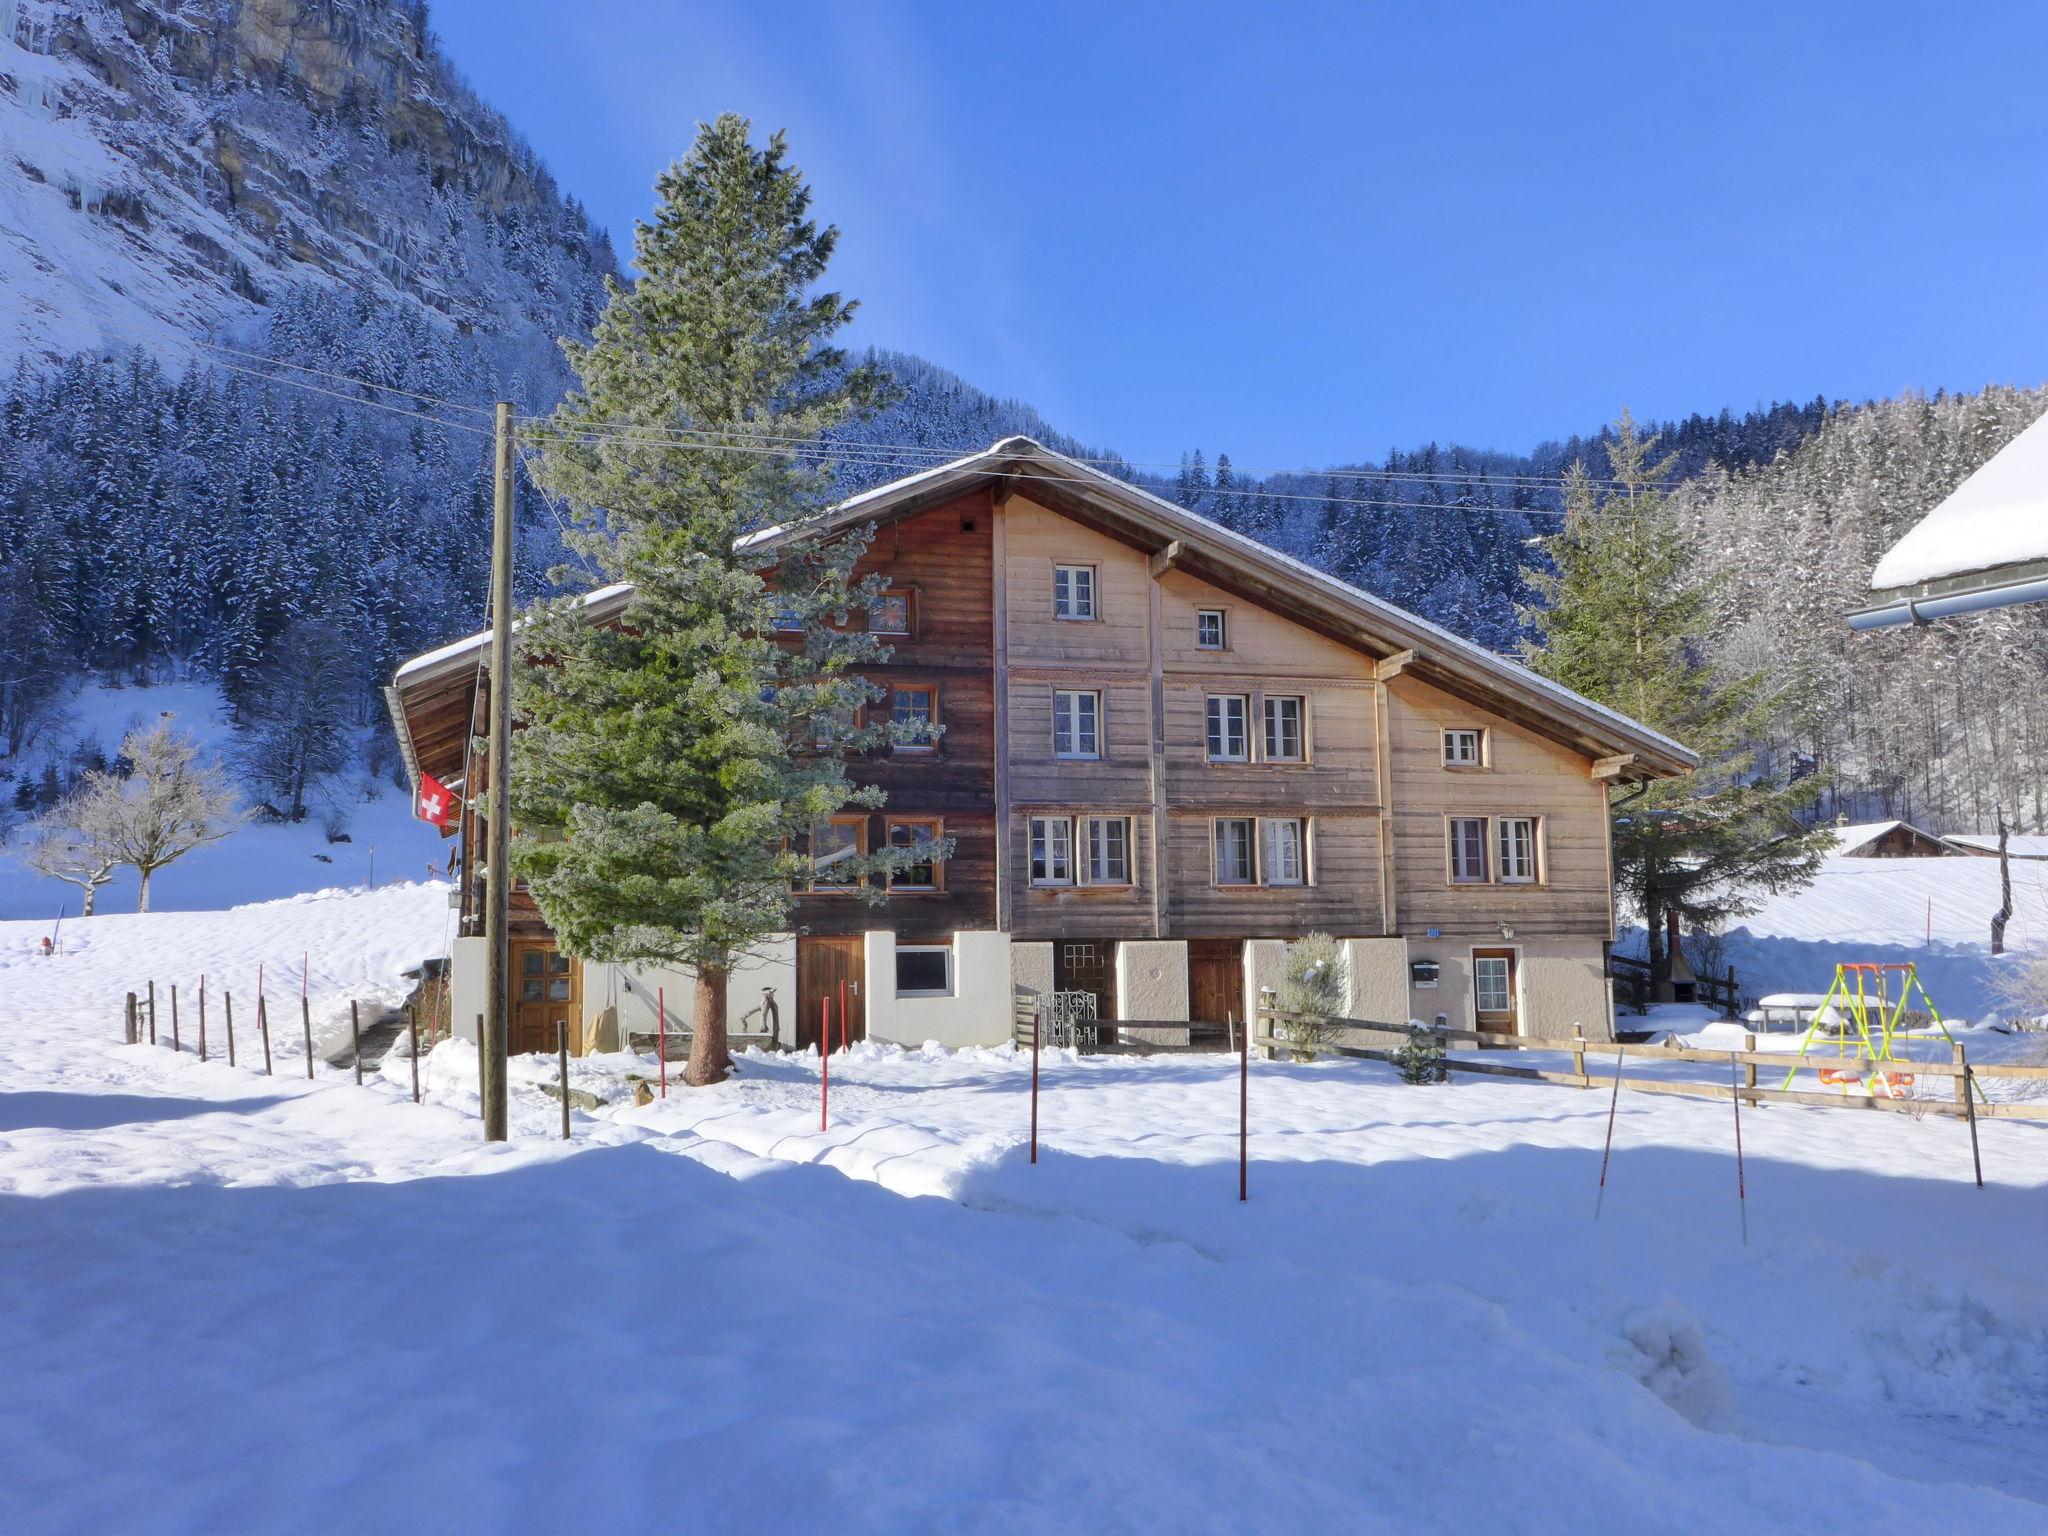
[[494, 1048]]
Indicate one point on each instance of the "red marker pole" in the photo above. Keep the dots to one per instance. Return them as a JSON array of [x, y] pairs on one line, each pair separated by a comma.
[[661, 1034], [1244, 1090], [824, 1062]]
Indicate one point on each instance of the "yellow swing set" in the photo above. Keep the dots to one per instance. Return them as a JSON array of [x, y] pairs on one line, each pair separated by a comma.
[[1861, 1011]]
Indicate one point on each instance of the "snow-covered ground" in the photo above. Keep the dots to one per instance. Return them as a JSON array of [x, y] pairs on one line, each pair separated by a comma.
[[1933, 912], [248, 1303], [257, 862]]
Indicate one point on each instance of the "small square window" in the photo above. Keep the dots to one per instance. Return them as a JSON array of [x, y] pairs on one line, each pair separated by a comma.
[[1227, 735], [1073, 591], [915, 712], [924, 970], [890, 614], [1283, 728], [1234, 851], [1209, 630], [1463, 748]]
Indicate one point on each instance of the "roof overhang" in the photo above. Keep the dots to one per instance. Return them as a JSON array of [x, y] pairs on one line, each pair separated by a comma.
[[1950, 596], [1173, 538]]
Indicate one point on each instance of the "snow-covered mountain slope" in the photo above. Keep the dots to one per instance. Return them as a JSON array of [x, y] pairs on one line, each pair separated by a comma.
[[171, 170]]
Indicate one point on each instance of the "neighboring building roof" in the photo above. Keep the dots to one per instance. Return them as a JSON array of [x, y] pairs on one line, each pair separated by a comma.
[[2017, 846], [1986, 546], [1180, 538], [1850, 840]]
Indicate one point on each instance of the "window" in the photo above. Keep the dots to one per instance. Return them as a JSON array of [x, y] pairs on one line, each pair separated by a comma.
[[1462, 748], [1209, 630], [1493, 983], [1468, 850], [1283, 729], [836, 848], [890, 614], [833, 730], [1227, 729], [914, 710], [1076, 724], [1517, 838], [1052, 850], [1073, 591], [787, 619], [1286, 852], [910, 833], [924, 970], [1108, 847], [1234, 851]]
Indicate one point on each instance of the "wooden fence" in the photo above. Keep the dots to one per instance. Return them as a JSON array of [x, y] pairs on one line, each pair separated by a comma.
[[1746, 1063], [1633, 987]]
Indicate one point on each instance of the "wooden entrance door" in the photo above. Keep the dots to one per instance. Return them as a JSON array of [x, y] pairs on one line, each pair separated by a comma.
[[827, 969], [547, 986], [1087, 965], [1494, 991], [1215, 980]]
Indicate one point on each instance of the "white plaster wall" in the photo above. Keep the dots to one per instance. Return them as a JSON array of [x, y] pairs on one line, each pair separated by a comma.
[[636, 989], [1265, 967], [1377, 979], [978, 1012], [1152, 979], [1561, 984], [1031, 968], [469, 984]]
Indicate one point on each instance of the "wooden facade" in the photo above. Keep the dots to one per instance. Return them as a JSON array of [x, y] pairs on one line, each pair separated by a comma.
[[1155, 731]]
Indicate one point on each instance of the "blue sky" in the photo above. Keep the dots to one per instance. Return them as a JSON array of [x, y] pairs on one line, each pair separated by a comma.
[[1303, 234]]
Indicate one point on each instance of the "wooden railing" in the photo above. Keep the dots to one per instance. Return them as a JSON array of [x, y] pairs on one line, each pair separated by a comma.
[[1635, 989], [1742, 1066]]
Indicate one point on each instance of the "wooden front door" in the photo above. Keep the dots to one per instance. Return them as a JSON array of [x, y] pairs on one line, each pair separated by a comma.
[[828, 969], [1494, 990], [547, 987], [1215, 980], [1087, 965]]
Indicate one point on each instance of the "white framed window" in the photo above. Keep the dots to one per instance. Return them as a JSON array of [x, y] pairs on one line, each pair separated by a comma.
[[1234, 865], [924, 970], [1468, 850], [1286, 851], [1464, 747], [1516, 839], [1284, 737], [1073, 591], [1493, 984], [1076, 724], [1052, 850], [1106, 844], [1211, 633], [1227, 735]]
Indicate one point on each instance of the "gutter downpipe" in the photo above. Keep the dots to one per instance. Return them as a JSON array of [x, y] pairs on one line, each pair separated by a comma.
[[1925, 610]]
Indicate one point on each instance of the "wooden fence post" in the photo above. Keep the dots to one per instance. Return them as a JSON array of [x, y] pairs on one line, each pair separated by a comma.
[[130, 1029], [1970, 1109], [263, 1028], [1955, 1052], [1749, 1067], [1579, 1057], [562, 1051], [227, 1013], [413, 1024], [152, 1013], [175, 1046], [355, 1030], [202, 1018], [306, 1020]]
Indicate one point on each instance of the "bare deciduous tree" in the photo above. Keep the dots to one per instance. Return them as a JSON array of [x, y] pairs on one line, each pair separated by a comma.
[[169, 803], [73, 840]]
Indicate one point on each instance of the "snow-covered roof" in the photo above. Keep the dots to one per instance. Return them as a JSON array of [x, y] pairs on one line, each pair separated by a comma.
[[1859, 833], [1997, 517], [1017, 457], [2018, 845]]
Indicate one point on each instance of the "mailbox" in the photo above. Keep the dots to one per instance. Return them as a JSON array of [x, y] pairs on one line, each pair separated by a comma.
[[1422, 973]]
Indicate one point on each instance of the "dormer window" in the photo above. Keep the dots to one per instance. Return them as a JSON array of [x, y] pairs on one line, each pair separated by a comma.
[[1464, 747]]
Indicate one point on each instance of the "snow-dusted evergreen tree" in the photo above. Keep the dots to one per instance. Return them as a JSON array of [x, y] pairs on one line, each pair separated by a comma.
[[1624, 622], [670, 770]]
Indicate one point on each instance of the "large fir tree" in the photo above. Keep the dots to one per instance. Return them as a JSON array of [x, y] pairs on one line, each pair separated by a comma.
[[1625, 622], [669, 769]]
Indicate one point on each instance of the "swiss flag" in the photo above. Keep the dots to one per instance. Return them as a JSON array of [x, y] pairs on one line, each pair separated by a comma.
[[433, 802]]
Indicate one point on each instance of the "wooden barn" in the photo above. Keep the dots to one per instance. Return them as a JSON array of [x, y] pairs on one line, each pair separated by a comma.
[[1167, 751]]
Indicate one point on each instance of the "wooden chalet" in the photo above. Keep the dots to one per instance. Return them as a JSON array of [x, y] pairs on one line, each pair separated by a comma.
[[1167, 750]]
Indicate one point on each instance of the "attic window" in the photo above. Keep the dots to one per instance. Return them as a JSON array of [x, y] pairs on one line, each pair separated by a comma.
[[1464, 747]]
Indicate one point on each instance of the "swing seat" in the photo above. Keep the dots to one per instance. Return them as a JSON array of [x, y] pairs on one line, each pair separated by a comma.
[[1839, 1076]]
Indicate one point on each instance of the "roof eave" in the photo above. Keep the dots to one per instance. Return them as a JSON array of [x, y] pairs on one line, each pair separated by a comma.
[[1966, 592]]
